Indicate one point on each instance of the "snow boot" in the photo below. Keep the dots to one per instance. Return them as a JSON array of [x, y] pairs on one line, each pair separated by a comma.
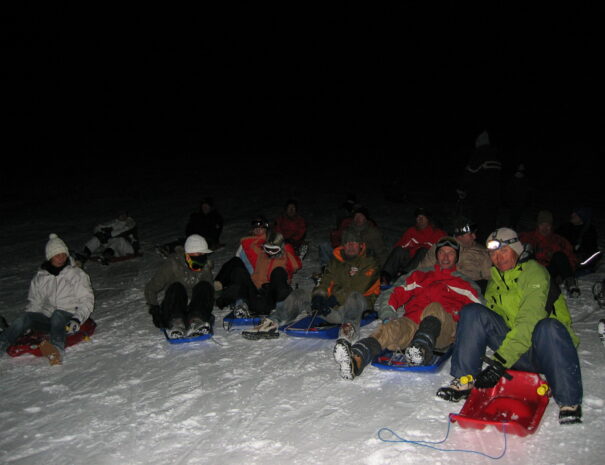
[[348, 362], [459, 388], [267, 329], [198, 327], [177, 329], [571, 286], [420, 350], [598, 293], [601, 330], [52, 353], [240, 310], [570, 414]]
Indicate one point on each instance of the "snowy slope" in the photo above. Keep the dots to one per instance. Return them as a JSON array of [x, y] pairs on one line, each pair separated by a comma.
[[129, 397]]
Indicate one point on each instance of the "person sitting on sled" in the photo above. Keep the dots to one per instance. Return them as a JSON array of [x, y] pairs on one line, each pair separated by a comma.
[[525, 322], [259, 276], [60, 299], [430, 300], [473, 258], [348, 287], [187, 282], [293, 227], [116, 238]]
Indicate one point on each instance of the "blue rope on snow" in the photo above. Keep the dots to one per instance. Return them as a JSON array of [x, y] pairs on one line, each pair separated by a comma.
[[430, 444]]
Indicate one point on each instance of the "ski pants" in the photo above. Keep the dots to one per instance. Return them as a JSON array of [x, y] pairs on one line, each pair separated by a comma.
[[552, 352], [175, 304], [398, 334], [400, 262], [53, 325], [559, 266], [237, 284], [350, 312]]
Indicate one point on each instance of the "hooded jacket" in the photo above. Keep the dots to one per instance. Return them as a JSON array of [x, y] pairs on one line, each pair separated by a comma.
[[70, 290], [523, 296], [174, 270]]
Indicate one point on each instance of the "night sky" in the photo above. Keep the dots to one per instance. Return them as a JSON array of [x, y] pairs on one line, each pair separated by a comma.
[[95, 86]]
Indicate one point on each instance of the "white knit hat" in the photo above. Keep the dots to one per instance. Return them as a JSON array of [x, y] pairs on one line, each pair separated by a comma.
[[55, 246], [505, 236], [196, 244]]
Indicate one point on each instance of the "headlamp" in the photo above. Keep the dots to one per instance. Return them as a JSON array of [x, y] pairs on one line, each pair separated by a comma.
[[495, 244]]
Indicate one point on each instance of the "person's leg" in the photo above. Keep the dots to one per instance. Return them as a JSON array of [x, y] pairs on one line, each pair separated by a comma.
[[21, 324], [174, 306]]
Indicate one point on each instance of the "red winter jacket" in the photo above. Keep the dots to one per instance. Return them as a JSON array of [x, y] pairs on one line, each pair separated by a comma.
[[414, 239], [292, 228], [448, 287], [545, 246], [263, 264]]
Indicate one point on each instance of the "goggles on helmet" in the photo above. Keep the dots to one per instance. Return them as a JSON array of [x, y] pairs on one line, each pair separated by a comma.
[[467, 228], [197, 262], [271, 249], [496, 244]]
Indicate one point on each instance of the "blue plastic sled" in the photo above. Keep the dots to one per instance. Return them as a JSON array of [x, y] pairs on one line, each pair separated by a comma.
[[317, 327], [396, 361], [229, 320], [184, 340]]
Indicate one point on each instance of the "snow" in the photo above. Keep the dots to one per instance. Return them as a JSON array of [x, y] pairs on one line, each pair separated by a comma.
[[129, 397]]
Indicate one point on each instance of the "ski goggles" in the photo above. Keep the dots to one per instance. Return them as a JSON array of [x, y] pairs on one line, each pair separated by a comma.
[[271, 250], [196, 262], [496, 244], [467, 228], [447, 242]]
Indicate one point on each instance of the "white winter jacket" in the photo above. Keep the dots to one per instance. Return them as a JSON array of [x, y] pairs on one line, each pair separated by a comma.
[[70, 290]]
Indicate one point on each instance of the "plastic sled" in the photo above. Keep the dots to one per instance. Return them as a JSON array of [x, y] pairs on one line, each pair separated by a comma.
[[185, 340], [513, 406], [396, 361], [229, 320], [30, 343], [317, 327]]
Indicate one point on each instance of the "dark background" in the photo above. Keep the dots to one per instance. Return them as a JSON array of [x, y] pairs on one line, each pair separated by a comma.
[[112, 90]]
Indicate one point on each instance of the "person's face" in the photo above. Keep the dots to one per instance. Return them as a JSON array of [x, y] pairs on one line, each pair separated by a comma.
[[422, 221], [359, 219], [575, 219], [545, 228], [259, 231], [467, 239], [504, 258], [446, 257], [351, 249], [205, 208], [58, 260], [291, 210]]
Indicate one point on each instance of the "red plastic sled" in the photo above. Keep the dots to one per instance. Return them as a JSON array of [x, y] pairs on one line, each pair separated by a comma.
[[30, 343], [513, 406]]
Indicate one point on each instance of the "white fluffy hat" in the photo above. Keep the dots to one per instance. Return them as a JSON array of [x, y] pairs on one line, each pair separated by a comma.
[[508, 237], [196, 244], [55, 246]]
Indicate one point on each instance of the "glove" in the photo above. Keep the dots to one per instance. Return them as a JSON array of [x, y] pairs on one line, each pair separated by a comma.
[[323, 305], [72, 326], [156, 315], [490, 376]]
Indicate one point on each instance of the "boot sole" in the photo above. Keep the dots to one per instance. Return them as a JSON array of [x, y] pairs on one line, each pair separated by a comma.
[[344, 357]]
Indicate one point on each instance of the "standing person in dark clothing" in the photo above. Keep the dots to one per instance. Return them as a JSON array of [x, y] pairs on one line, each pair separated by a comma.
[[207, 222]]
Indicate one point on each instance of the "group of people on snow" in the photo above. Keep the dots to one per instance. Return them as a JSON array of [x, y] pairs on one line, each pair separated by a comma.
[[431, 290]]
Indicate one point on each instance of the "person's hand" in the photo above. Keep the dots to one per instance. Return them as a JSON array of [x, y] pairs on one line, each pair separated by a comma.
[[490, 376]]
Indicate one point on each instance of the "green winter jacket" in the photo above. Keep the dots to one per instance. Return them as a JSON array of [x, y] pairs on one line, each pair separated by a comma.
[[522, 297]]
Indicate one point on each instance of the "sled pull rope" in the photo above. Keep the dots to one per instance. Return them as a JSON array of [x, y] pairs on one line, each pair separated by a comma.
[[431, 445]]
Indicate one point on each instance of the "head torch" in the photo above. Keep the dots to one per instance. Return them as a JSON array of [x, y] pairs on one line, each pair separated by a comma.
[[496, 244]]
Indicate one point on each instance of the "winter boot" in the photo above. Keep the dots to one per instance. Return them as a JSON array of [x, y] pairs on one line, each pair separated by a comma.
[[198, 327], [52, 353], [598, 293], [177, 329], [601, 330], [571, 285], [353, 359], [420, 350], [570, 414], [240, 310], [459, 388], [267, 329]]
